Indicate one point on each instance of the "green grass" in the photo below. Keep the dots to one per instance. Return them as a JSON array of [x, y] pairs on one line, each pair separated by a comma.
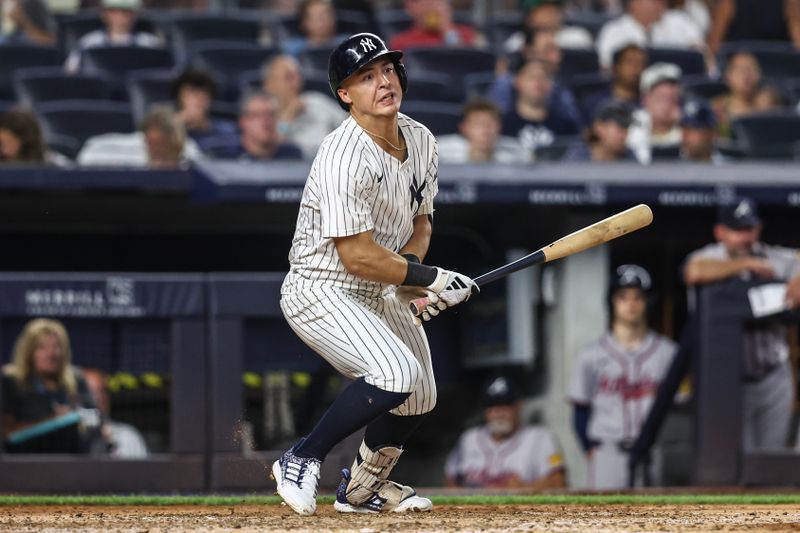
[[559, 499]]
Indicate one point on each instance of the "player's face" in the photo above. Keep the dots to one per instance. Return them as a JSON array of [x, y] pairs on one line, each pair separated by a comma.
[[47, 356], [738, 241], [502, 420], [373, 90], [630, 305]]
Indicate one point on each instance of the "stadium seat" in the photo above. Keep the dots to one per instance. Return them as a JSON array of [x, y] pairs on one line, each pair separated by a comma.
[[82, 119], [315, 59], [502, 25], [791, 87], [16, 56], [436, 87], [441, 118], [117, 61], [146, 88], [690, 61], [556, 150], [392, 21], [703, 86], [349, 21], [585, 85], [592, 21], [778, 60], [187, 30], [455, 62], [226, 61], [64, 144], [312, 81], [43, 84], [73, 27], [477, 85], [773, 135], [576, 62]]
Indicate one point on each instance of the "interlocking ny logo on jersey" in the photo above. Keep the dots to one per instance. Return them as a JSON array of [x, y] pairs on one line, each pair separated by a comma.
[[367, 44], [416, 193]]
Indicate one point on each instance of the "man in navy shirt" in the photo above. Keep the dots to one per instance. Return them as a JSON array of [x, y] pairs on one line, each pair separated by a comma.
[[259, 139]]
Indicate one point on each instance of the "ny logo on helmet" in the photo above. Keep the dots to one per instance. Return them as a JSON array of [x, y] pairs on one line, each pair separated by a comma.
[[367, 44]]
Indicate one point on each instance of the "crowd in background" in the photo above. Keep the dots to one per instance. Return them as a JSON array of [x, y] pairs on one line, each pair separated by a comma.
[[637, 80]]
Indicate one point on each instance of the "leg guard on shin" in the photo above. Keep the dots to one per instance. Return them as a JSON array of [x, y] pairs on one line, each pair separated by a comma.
[[369, 472]]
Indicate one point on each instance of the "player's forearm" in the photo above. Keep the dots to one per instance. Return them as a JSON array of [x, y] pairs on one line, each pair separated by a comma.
[[700, 271], [366, 259], [421, 238]]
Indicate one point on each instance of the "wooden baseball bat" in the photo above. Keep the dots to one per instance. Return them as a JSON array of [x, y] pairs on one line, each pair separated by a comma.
[[603, 231]]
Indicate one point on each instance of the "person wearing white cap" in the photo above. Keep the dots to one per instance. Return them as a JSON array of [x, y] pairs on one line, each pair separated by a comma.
[[119, 17], [657, 123], [648, 23]]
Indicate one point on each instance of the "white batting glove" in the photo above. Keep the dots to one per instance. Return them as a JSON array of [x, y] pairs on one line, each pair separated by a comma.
[[453, 288], [407, 294]]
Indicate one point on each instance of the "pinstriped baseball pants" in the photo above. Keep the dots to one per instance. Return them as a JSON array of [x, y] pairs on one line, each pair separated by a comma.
[[366, 336]]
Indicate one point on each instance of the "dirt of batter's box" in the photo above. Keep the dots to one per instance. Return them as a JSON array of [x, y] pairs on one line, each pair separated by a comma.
[[534, 518]]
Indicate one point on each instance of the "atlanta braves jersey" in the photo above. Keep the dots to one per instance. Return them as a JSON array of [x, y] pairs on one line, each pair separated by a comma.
[[619, 384], [478, 460]]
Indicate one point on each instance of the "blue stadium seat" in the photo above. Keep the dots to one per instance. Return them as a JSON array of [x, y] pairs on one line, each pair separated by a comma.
[[189, 29], [502, 25], [347, 22], [148, 87], [455, 62], [226, 61], [690, 61], [315, 59], [43, 84], [585, 85], [477, 85], [576, 62], [774, 135], [64, 144], [703, 86], [117, 61], [791, 87], [392, 21], [441, 118], [16, 56], [556, 150], [778, 60], [73, 27], [434, 87], [82, 119]]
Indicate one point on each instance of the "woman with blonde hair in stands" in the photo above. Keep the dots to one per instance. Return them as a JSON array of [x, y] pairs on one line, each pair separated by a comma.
[[40, 383]]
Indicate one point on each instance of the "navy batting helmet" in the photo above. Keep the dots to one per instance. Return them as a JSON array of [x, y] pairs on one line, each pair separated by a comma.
[[355, 52]]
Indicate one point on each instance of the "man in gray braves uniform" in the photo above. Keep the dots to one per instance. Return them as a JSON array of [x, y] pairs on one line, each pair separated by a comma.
[[615, 380], [362, 232], [738, 252]]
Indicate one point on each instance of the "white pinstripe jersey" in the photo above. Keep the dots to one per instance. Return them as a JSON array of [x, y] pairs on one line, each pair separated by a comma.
[[620, 385], [355, 186]]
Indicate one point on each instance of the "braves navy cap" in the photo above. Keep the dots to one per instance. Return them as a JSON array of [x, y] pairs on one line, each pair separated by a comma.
[[499, 390], [741, 213]]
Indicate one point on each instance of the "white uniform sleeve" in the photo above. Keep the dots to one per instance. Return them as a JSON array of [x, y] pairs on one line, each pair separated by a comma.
[[582, 385], [548, 455], [346, 194], [431, 180]]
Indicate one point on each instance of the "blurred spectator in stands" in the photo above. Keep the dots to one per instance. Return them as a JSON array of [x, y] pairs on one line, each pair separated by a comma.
[[699, 133], [32, 23], [21, 141], [769, 98], [606, 136], [626, 73], [259, 139], [433, 26], [548, 15], [41, 384], [479, 140], [648, 23], [119, 18], [533, 119], [754, 20], [193, 91], [161, 144], [123, 440], [697, 10], [504, 452], [738, 253], [656, 126], [304, 117], [317, 24], [743, 78]]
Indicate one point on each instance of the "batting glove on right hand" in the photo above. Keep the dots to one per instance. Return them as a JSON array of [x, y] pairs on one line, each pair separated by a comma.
[[453, 288]]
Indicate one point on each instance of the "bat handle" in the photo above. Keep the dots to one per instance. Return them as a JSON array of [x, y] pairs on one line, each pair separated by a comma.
[[418, 305]]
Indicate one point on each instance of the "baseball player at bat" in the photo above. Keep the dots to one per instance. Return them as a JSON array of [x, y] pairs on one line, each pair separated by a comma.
[[362, 232]]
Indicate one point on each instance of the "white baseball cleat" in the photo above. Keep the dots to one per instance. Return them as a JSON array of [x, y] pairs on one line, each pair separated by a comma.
[[391, 498], [297, 479]]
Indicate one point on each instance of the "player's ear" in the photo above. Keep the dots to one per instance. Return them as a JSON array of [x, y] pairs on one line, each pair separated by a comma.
[[342, 92]]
